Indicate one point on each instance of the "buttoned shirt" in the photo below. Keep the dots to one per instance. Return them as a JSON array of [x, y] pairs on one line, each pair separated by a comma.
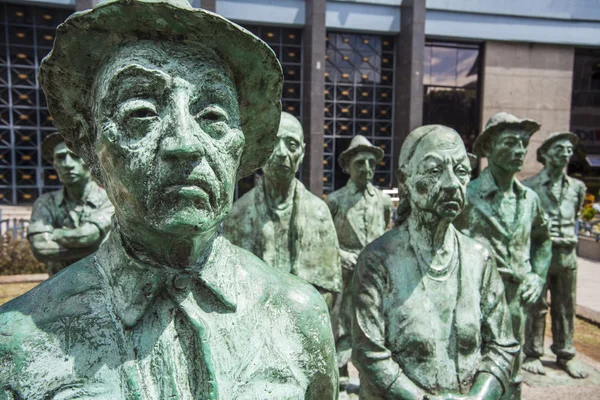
[[517, 245], [54, 211], [562, 212], [360, 215], [114, 327], [399, 328]]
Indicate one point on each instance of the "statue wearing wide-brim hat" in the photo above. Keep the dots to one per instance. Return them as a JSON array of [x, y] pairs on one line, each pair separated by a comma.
[[359, 143], [553, 138], [170, 105], [499, 122], [87, 38]]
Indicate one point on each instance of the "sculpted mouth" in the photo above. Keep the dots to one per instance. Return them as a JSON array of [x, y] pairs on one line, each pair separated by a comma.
[[196, 190]]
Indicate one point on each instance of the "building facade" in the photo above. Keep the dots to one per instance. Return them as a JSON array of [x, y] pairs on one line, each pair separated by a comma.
[[378, 68]]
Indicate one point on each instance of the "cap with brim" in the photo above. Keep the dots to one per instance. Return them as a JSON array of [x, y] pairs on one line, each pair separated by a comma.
[[359, 144], [87, 38], [497, 123], [49, 144], [553, 138], [473, 160]]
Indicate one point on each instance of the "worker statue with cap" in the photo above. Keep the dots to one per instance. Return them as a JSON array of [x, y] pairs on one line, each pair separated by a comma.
[[168, 106], [562, 198], [430, 320], [284, 224], [508, 218], [68, 224], [361, 214]]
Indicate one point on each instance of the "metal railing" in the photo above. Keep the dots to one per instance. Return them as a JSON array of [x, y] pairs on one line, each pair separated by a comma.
[[14, 227]]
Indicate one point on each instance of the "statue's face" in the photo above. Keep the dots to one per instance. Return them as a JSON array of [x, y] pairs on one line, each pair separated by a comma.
[[69, 166], [559, 154], [169, 141], [508, 149], [288, 152], [362, 167], [438, 174]]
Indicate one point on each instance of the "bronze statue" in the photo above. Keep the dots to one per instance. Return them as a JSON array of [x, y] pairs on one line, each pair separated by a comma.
[[284, 224], [169, 106], [508, 218], [69, 224], [361, 214], [562, 198], [430, 318]]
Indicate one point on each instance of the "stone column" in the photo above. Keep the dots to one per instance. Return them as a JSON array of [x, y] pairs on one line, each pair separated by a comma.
[[209, 5], [313, 101], [530, 81], [410, 47], [81, 5]]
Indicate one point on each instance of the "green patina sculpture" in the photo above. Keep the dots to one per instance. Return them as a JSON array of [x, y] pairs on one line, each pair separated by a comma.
[[283, 223], [562, 198], [168, 105], [508, 218], [361, 214], [430, 318], [69, 224]]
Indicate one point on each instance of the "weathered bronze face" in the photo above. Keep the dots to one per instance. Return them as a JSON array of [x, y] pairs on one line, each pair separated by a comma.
[[69, 166], [170, 142], [289, 150], [438, 175], [362, 167], [507, 150], [559, 154]]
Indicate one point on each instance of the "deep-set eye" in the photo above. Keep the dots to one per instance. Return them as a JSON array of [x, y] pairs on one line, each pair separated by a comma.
[[461, 171], [142, 113], [212, 114]]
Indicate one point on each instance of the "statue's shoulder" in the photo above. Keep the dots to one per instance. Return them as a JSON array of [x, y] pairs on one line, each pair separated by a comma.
[[48, 199], [533, 181], [393, 244], [244, 202], [272, 286], [577, 183], [35, 315], [315, 204], [473, 248]]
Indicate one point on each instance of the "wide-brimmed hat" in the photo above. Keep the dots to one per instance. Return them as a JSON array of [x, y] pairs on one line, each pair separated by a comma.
[[499, 122], [49, 144], [358, 144], [553, 138], [87, 38]]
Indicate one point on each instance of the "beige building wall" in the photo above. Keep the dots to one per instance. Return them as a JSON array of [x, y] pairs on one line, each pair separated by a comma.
[[530, 81]]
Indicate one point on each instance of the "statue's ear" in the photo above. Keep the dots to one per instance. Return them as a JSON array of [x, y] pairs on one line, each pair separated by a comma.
[[400, 177]]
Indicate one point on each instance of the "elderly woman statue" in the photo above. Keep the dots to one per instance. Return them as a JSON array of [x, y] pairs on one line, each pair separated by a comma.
[[430, 318]]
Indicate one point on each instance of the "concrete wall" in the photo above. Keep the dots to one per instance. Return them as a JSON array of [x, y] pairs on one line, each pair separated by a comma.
[[529, 81]]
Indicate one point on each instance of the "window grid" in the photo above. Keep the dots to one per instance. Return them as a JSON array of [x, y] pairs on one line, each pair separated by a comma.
[[24, 118], [359, 98]]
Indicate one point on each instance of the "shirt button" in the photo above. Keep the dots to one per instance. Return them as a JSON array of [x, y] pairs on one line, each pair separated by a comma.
[[182, 281]]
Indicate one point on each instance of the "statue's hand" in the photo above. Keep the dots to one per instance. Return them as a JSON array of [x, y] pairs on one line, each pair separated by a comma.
[[84, 236], [531, 288], [348, 259], [44, 245]]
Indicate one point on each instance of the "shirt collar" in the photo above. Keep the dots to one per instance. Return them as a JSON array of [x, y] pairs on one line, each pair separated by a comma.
[[91, 195], [135, 284], [489, 187], [545, 177], [355, 189]]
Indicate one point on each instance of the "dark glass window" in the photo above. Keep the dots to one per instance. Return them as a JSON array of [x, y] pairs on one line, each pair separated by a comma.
[[359, 95], [451, 87], [27, 34]]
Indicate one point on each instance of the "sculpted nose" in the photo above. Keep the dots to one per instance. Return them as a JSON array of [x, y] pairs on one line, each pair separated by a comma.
[[279, 150], [450, 180], [184, 137]]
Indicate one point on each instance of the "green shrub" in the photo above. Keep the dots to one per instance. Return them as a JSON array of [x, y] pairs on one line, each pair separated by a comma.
[[16, 257], [588, 214]]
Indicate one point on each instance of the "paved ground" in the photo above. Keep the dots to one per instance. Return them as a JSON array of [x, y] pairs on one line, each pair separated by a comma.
[[588, 289]]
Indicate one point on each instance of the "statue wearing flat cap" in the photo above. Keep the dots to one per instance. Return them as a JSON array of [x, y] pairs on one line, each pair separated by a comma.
[[508, 218], [429, 316], [562, 198], [71, 223], [361, 214], [284, 224], [168, 105]]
